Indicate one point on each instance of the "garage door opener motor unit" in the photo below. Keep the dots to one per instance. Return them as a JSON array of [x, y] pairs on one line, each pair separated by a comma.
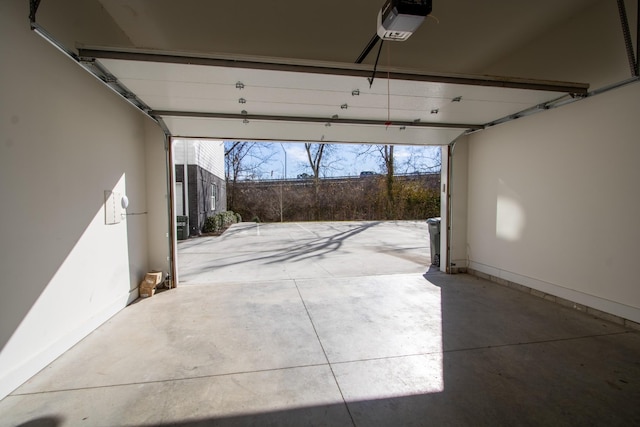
[[398, 19]]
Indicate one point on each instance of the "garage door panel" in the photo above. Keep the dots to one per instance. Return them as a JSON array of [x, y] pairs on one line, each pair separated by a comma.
[[317, 132], [197, 97], [164, 73], [182, 87], [469, 113]]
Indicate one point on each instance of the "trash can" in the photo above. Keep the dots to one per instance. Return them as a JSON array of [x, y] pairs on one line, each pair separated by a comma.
[[434, 234], [182, 224]]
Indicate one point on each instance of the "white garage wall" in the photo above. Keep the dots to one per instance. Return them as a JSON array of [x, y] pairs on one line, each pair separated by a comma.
[[65, 140], [552, 201]]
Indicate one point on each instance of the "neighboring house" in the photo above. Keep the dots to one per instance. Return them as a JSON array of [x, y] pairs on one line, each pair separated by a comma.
[[204, 179]]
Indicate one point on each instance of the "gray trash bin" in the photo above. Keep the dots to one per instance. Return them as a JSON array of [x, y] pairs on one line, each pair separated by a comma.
[[182, 224], [434, 235]]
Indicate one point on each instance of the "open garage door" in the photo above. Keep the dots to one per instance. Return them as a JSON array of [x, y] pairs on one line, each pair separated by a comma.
[[257, 98], [268, 99]]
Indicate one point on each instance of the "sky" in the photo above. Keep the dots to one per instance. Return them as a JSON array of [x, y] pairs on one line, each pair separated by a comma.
[[345, 160]]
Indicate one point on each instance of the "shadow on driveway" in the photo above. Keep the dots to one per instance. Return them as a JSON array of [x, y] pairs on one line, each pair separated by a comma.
[[251, 251]]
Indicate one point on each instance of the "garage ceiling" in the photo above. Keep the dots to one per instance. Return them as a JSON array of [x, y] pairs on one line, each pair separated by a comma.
[[464, 36], [260, 70]]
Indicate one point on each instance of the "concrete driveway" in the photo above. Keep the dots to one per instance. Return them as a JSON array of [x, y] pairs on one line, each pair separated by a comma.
[[249, 252], [296, 325]]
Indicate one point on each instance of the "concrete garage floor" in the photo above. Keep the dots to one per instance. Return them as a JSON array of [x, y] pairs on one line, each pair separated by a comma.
[[289, 339]]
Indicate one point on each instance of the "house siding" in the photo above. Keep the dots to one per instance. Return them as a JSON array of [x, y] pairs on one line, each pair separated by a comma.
[[200, 182], [205, 167]]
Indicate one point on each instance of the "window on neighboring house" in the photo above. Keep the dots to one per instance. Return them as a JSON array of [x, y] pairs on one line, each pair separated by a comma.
[[214, 195]]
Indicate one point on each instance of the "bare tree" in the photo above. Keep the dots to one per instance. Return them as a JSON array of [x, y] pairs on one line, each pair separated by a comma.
[[412, 159], [321, 159], [419, 159], [244, 159], [415, 197], [386, 152], [386, 160], [314, 154], [385, 156]]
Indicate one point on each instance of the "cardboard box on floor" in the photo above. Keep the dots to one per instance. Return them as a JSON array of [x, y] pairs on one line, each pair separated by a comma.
[[148, 285], [153, 278], [146, 291]]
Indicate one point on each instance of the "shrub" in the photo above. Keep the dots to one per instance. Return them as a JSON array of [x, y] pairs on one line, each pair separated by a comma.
[[210, 225], [219, 222]]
